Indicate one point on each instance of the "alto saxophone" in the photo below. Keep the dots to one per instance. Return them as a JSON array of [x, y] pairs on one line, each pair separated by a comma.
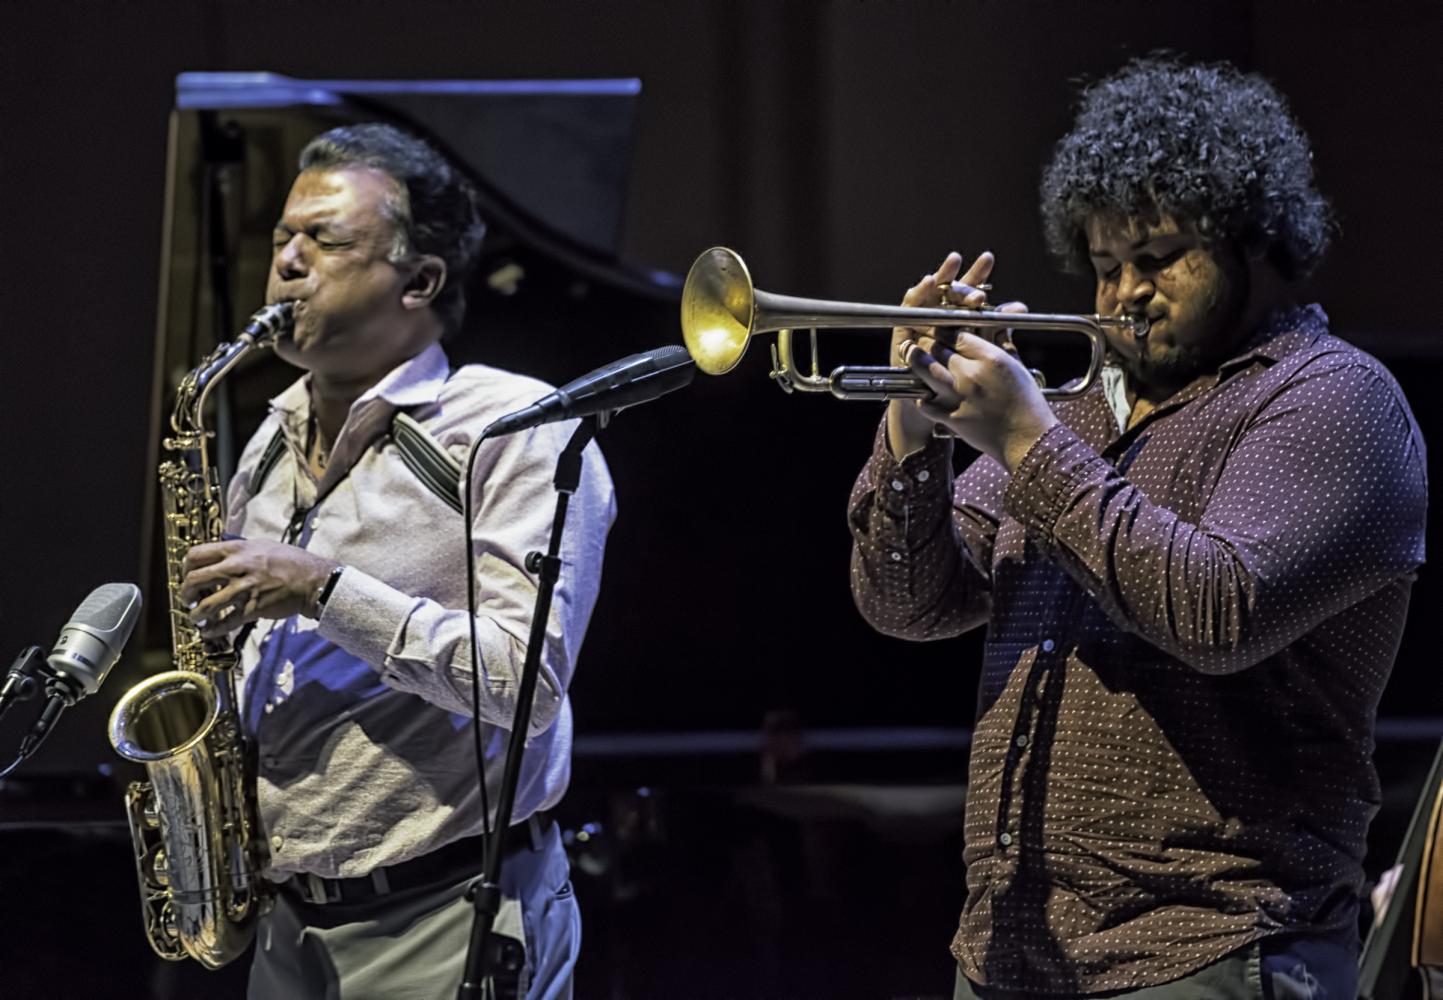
[[194, 824]]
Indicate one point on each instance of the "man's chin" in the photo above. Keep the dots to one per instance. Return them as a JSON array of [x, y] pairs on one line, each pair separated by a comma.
[[299, 352], [1170, 367]]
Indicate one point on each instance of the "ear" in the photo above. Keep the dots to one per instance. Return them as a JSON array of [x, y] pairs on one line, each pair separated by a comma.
[[428, 277]]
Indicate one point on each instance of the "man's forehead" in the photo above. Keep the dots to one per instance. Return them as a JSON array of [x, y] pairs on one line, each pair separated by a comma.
[[339, 191], [1114, 231]]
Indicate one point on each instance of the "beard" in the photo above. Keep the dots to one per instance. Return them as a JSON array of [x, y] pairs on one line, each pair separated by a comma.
[[1168, 367]]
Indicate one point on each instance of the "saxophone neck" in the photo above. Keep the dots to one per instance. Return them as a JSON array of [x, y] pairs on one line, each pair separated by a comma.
[[260, 332]]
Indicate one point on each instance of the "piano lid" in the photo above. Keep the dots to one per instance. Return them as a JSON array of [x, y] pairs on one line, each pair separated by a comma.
[[551, 158]]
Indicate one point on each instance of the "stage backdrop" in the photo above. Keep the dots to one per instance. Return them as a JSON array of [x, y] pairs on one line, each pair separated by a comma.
[[843, 148]]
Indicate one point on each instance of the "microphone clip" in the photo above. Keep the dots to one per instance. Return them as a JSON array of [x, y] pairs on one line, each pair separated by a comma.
[[26, 677]]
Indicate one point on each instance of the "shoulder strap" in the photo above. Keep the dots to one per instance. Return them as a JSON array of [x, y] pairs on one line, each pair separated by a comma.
[[275, 450], [437, 469]]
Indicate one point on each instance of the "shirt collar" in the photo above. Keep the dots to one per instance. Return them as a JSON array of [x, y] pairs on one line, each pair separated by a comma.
[[416, 381], [1282, 331]]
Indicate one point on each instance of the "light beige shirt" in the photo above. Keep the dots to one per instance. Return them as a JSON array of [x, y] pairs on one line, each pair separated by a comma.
[[362, 718]]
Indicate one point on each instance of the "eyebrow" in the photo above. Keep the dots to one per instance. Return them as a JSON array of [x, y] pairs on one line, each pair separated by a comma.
[[1136, 246]]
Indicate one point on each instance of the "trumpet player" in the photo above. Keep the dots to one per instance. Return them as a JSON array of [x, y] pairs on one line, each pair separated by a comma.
[[1193, 578]]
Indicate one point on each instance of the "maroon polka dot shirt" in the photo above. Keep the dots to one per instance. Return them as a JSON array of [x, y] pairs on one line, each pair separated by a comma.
[[1190, 624]]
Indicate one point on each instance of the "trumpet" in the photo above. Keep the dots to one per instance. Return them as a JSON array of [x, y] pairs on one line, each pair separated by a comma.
[[721, 310]]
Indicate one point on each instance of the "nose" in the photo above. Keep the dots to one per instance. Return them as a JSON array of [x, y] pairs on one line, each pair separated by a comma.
[[290, 259], [1134, 288]]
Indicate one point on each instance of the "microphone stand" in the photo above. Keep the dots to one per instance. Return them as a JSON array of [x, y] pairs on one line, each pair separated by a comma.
[[485, 893], [22, 683]]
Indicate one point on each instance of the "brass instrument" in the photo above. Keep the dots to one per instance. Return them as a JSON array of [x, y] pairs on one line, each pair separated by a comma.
[[194, 823], [721, 311]]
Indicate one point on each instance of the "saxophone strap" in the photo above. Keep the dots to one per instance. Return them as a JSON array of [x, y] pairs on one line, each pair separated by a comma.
[[436, 468], [275, 451]]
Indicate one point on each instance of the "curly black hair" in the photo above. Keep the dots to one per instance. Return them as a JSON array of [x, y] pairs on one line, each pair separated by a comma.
[[435, 211], [1201, 142]]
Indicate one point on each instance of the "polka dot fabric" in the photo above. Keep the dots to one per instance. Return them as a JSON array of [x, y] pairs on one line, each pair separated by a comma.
[[1189, 628]]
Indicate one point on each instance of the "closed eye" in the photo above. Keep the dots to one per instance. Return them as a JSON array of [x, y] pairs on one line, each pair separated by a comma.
[[1150, 263]]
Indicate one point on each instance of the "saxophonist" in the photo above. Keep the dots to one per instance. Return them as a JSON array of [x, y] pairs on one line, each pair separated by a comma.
[[345, 590]]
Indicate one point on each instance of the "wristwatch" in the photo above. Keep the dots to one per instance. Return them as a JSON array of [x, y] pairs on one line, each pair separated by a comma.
[[324, 594]]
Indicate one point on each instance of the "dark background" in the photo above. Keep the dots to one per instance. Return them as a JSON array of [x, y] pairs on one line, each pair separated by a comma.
[[842, 148]]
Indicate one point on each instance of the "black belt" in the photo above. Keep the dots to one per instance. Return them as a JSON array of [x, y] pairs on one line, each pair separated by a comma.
[[449, 863]]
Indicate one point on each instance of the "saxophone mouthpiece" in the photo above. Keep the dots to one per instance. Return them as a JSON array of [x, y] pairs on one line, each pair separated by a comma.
[[269, 322]]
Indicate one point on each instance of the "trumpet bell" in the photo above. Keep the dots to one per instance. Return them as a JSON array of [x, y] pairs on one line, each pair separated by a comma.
[[718, 310]]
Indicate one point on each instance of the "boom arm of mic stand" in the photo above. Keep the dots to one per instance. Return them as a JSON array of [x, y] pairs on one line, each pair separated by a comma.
[[486, 894]]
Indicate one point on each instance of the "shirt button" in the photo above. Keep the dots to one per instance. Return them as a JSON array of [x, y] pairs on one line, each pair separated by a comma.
[[1005, 840], [1021, 740], [896, 557], [278, 840], [270, 708], [923, 476], [1048, 645], [898, 485]]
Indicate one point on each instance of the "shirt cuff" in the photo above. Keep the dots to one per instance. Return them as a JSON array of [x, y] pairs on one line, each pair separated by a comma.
[[916, 483], [1042, 487], [363, 615]]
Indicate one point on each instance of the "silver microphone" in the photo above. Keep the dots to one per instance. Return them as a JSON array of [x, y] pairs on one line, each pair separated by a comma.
[[90, 643]]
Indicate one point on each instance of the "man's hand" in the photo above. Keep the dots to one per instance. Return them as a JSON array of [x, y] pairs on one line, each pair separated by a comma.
[[228, 584], [908, 429], [983, 394]]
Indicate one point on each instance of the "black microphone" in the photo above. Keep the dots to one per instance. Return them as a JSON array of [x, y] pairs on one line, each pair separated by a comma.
[[89, 645], [24, 679], [636, 379]]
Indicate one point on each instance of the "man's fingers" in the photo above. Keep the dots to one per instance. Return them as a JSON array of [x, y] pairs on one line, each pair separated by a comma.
[[199, 583], [980, 270], [950, 267], [975, 348], [218, 608], [1003, 336], [934, 411], [965, 371], [936, 348], [921, 292], [207, 554], [928, 293], [931, 369]]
